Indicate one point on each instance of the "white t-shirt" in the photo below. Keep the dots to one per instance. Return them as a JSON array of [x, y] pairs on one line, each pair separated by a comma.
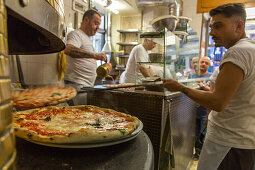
[[138, 54], [81, 70], [235, 125]]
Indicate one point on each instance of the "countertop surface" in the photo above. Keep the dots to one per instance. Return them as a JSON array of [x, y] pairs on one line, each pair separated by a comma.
[[136, 154]]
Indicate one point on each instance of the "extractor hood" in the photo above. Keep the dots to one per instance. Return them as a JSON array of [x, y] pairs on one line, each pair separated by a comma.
[[34, 27]]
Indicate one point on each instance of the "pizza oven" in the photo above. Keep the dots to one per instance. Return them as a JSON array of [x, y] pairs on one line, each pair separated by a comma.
[[26, 27]]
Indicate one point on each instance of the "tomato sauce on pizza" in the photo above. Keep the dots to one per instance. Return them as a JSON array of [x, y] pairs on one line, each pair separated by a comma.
[[73, 124]]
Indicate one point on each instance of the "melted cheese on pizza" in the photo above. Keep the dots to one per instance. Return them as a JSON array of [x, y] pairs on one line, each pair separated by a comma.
[[66, 121]]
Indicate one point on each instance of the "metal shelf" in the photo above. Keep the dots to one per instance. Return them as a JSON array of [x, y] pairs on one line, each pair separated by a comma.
[[128, 43], [152, 35], [123, 55], [120, 69], [129, 31]]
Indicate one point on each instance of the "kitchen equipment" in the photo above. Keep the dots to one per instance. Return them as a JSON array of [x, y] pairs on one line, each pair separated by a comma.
[[34, 27], [165, 21], [153, 82], [7, 139], [104, 70], [156, 57], [7, 149], [182, 35], [183, 20]]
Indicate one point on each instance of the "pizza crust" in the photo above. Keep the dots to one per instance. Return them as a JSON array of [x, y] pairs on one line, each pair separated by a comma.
[[42, 96], [80, 136]]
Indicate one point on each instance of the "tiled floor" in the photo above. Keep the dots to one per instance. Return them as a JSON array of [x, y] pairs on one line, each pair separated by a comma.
[[192, 165]]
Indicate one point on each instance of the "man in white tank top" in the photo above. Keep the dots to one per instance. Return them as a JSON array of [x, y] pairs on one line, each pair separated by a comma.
[[81, 59], [230, 138]]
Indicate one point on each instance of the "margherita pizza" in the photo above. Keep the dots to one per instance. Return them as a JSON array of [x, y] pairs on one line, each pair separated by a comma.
[[42, 96], [73, 124]]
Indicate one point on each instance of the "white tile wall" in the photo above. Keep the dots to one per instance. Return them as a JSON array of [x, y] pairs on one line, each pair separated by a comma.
[[190, 10], [69, 13]]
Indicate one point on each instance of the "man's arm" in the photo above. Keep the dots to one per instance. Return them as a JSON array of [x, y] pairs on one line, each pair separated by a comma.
[[75, 52], [226, 85], [145, 72]]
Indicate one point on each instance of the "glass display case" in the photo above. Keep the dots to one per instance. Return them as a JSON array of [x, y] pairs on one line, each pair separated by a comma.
[[171, 58], [160, 64]]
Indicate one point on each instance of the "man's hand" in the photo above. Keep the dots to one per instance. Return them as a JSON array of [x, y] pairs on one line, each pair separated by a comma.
[[172, 85], [200, 84], [101, 56]]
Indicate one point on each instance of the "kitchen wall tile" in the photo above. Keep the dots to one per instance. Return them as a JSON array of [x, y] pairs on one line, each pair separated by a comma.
[[32, 58], [23, 58], [50, 74], [190, 10], [34, 73]]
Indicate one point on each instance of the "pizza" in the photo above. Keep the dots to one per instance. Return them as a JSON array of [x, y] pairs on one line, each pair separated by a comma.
[[42, 96], [73, 124]]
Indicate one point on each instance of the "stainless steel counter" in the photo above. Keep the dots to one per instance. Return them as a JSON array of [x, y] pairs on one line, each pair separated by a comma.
[[152, 109]]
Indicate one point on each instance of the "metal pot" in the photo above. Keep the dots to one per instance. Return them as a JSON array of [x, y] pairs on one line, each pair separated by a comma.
[[104, 70]]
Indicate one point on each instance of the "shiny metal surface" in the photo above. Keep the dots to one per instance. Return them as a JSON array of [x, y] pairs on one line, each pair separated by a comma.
[[7, 138], [167, 21], [152, 111], [7, 149], [40, 28], [4, 66], [5, 90], [158, 26], [5, 117]]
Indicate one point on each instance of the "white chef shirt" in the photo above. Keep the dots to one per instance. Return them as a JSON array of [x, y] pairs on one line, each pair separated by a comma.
[[81, 70], [138, 54]]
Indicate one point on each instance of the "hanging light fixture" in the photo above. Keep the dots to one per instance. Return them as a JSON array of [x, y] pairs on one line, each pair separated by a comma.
[[107, 46]]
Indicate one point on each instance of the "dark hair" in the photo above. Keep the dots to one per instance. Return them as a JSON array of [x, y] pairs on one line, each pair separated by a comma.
[[229, 10], [90, 13]]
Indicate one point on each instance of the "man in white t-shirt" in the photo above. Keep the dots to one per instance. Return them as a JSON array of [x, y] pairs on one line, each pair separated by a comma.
[[138, 54], [230, 138], [81, 59]]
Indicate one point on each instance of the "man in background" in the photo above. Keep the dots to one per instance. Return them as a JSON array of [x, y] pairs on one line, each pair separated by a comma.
[[138, 54], [194, 65], [230, 138], [81, 60], [204, 64]]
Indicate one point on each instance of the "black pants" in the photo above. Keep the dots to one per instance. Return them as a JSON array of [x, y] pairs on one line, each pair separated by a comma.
[[238, 159]]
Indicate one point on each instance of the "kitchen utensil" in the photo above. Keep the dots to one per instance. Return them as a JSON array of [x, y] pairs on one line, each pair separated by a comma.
[[104, 70], [165, 21]]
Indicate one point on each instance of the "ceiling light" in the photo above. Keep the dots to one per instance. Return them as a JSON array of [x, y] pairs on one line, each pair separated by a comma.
[[115, 11]]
